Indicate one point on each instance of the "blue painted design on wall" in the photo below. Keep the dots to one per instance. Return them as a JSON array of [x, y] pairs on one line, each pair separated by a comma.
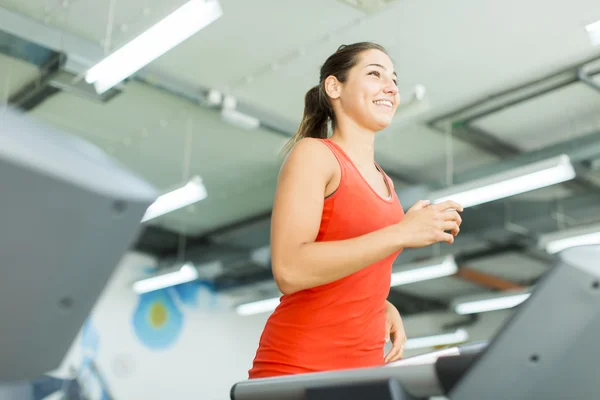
[[157, 321], [189, 293], [149, 270], [158, 318], [88, 374], [89, 339]]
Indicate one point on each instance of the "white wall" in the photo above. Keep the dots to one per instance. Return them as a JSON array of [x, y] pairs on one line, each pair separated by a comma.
[[213, 349]]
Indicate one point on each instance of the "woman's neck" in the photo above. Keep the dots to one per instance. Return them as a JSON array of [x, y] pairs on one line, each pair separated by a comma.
[[357, 142]]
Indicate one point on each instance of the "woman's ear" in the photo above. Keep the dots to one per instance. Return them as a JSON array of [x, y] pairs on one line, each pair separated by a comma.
[[332, 87]]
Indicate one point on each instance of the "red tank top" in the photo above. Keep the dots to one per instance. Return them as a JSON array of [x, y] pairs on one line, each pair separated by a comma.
[[341, 324]]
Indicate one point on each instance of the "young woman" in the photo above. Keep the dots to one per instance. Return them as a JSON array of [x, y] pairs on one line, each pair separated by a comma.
[[337, 227]]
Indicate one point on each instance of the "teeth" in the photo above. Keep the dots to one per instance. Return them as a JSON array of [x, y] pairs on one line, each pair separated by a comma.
[[383, 102]]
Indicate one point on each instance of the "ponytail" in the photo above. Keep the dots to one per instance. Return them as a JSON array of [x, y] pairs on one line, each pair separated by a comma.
[[317, 112]]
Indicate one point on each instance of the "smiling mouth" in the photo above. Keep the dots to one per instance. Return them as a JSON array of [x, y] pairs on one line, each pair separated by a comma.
[[385, 103]]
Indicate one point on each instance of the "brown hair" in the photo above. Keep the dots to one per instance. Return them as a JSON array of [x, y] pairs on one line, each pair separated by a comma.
[[317, 106]]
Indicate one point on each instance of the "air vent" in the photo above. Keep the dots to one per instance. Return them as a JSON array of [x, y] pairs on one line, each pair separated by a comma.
[[368, 6]]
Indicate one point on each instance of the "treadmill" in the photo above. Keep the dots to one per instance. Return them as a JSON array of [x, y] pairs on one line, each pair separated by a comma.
[[68, 214], [546, 350]]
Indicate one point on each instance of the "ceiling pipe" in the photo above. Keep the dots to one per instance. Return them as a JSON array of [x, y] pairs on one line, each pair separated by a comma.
[[587, 79], [518, 94]]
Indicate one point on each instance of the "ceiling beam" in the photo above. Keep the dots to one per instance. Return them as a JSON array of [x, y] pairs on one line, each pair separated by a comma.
[[21, 49], [157, 242], [37, 90], [586, 78], [484, 140], [486, 280], [81, 53], [501, 100]]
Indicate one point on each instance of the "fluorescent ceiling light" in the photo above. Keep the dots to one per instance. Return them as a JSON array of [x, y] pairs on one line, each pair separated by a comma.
[[579, 236], [187, 273], [151, 44], [505, 184], [460, 336], [425, 359], [261, 256], [258, 307], [431, 269], [192, 192], [491, 304], [593, 31]]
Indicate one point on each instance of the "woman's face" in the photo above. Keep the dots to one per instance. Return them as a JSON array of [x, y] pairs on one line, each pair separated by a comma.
[[370, 94]]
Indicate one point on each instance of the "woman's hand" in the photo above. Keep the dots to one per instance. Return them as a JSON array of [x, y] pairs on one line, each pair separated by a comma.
[[425, 224], [394, 330]]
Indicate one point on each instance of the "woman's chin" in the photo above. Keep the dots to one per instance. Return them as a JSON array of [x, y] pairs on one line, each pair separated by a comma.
[[380, 123]]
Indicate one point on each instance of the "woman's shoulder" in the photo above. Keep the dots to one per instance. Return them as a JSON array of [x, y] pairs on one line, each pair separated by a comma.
[[311, 156], [311, 150], [310, 144]]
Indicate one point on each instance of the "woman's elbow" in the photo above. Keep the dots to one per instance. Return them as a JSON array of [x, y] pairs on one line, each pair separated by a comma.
[[285, 280]]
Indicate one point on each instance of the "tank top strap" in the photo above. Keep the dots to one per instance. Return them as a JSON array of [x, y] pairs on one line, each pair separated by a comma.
[[339, 154]]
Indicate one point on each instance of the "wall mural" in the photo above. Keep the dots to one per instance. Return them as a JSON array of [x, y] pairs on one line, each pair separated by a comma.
[[158, 318]]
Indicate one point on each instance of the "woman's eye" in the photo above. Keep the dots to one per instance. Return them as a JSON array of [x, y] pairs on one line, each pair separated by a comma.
[[376, 73]]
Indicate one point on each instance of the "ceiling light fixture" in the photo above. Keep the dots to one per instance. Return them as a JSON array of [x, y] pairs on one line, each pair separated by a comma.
[[423, 271], [593, 31], [187, 273], [488, 303], [154, 42], [428, 358], [509, 183], [445, 339], [258, 307], [192, 192], [579, 236]]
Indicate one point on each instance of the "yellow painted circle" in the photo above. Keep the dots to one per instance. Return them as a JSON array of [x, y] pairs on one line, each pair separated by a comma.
[[158, 315]]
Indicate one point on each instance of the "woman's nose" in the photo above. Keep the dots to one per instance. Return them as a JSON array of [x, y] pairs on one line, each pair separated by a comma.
[[391, 88]]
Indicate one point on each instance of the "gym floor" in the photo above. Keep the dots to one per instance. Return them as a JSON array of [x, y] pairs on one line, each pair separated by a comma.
[[488, 89]]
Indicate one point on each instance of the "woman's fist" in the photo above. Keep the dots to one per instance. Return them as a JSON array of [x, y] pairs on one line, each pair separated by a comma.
[[425, 224]]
